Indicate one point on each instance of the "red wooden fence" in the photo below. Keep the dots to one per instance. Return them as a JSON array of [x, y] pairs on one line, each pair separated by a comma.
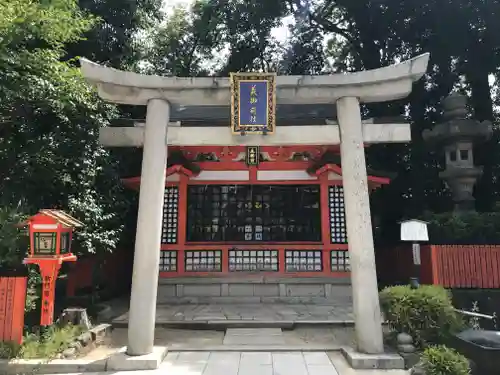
[[452, 266], [12, 299]]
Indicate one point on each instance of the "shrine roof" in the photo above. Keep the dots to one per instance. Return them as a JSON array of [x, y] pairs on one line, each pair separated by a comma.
[[286, 115]]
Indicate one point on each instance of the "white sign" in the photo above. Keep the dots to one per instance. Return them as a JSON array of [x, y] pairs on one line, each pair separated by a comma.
[[414, 230]]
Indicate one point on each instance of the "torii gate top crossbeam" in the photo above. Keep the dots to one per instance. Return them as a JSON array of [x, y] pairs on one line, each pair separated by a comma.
[[378, 85], [289, 135]]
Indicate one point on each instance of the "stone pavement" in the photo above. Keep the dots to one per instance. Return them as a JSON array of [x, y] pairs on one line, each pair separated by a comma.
[[254, 336], [258, 312], [254, 363], [304, 338]]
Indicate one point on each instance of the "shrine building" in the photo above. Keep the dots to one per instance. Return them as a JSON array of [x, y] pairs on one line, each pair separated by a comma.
[[254, 188], [259, 223]]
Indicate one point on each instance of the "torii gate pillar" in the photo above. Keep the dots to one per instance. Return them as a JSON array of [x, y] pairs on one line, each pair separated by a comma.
[[366, 304]]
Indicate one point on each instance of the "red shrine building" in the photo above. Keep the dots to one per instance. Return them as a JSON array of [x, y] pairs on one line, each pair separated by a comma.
[[266, 223]]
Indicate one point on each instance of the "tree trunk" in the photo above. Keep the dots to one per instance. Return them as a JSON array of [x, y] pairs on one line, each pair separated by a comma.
[[478, 79]]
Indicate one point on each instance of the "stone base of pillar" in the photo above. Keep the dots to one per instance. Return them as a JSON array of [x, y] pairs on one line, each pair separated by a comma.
[[120, 361], [382, 361]]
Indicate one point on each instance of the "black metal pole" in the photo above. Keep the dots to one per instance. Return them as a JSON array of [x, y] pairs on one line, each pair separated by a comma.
[[415, 280]]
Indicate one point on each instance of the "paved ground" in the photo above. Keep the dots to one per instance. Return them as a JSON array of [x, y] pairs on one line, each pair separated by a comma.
[[301, 338], [255, 363], [244, 361], [249, 312]]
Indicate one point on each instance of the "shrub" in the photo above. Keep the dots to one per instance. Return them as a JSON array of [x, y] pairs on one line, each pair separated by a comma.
[[425, 313], [53, 341], [33, 291], [13, 244], [9, 349], [441, 360], [464, 228]]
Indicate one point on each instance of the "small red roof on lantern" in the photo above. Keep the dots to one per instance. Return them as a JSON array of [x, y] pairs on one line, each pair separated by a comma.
[[57, 217]]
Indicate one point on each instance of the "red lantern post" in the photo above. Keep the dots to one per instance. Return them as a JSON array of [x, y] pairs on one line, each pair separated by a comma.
[[51, 233]]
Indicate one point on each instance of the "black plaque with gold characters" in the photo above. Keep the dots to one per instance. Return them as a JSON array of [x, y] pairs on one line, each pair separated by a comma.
[[253, 103], [253, 155]]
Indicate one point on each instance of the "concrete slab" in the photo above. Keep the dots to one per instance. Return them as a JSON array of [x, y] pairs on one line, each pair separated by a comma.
[[383, 361], [256, 358], [312, 338], [256, 369], [316, 358], [248, 315], [322, 370], [343, 368], [254, 336], [120, 361], [192, 357], [254, 340], [254, 331], [289, 363], [256, 348], [226, 357], [252, 363], [223, 363], [57, 366]]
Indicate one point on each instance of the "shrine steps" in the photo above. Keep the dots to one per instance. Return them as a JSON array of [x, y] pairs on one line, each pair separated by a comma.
[[254, 289], [220, 312]]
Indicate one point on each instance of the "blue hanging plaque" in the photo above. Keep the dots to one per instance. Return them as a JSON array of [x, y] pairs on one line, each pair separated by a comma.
[[253, 103]]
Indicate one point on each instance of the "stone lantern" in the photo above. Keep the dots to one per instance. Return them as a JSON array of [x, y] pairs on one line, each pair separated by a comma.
[[456, 135]]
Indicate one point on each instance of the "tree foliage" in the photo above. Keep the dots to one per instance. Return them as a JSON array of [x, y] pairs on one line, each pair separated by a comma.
[[216, 37], [49, 117], [114, 40], [49, 151]]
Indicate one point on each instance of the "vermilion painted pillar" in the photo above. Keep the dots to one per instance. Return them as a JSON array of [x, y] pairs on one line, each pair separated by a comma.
[[48, 271], [182, 222], [325, 220]]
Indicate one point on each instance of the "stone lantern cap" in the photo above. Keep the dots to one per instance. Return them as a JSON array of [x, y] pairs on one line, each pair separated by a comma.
[[457, 126]]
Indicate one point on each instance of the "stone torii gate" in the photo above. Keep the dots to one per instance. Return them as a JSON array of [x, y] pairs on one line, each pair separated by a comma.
[[346, 91]]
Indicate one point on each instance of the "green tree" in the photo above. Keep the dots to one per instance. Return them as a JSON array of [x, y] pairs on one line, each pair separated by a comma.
[[217, 37], [49, 122], [463, 41], [115, 39]]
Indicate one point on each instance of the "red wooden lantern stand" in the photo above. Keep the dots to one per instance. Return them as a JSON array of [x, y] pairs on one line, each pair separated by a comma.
[[49, 269], [51, 232]]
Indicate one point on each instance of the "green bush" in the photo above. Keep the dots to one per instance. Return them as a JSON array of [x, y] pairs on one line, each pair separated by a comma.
[[425, 313], [9, 349], [440, 360], [43, 345], [13, 243], [451, 228]]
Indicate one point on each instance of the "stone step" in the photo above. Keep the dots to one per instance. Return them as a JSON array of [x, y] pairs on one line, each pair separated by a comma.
[[247, 315], [219, 325], [254, 336], [309, 347]]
